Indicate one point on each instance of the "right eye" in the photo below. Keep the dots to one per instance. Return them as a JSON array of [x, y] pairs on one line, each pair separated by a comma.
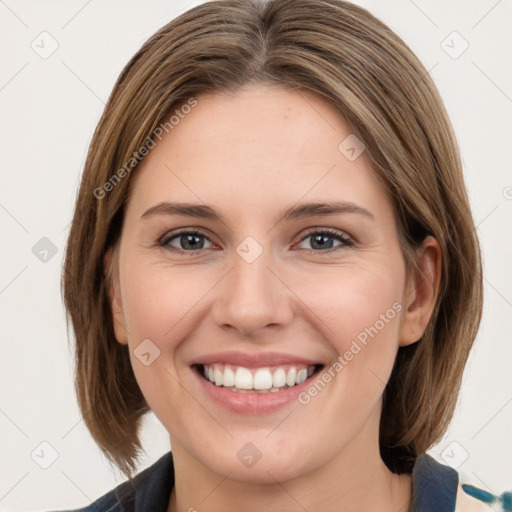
[[189, 242]]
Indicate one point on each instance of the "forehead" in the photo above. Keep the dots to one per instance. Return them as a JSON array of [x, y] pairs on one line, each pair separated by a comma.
[[260, 114], [256, 147]]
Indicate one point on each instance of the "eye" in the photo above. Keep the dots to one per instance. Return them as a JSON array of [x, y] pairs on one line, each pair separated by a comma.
[[322, 240], [189, 242]]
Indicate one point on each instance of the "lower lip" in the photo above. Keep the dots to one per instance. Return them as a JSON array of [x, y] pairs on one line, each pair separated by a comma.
[[252, 403]]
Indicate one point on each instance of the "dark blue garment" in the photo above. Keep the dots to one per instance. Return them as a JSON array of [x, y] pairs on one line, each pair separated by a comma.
[[434, 489]]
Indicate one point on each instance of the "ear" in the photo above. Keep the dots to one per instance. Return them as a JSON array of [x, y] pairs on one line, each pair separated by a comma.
[[421, 291], [114, 295]]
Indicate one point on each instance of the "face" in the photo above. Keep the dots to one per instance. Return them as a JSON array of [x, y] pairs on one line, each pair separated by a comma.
[[252, 289]]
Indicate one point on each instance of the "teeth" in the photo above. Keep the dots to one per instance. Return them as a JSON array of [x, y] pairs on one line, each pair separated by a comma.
[[290, 376], [261, 380], [279, 378], [302, 375], [243, 378], [219, 376], [229, 378]]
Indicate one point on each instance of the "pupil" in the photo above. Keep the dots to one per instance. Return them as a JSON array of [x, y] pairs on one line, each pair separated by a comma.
[[190, 238], [321, 239]]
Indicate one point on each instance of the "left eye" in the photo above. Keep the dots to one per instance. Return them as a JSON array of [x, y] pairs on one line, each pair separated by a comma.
[[321, 240], [190, 241]]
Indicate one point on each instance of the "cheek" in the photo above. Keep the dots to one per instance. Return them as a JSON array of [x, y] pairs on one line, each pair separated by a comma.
[[357, 303], [159, 302], [360, 313], [159, 305]]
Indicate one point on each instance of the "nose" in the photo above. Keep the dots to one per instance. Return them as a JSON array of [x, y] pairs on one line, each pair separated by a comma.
[[252, 296]]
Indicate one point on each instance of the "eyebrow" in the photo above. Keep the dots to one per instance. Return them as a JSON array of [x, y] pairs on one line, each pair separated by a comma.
[[295, 212]]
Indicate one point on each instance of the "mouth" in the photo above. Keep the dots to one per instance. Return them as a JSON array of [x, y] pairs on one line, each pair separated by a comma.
[[253, 383], [267, 379]]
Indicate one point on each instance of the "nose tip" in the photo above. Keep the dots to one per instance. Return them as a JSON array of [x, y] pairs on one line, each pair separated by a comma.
[[252, 296]]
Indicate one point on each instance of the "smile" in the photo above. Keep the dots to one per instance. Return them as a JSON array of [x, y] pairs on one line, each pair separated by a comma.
[[253, 383], [260, 380]]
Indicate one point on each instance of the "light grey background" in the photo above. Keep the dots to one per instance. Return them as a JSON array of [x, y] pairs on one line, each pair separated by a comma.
[[49, 109]]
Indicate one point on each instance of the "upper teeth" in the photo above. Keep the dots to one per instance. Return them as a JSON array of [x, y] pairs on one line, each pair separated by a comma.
[[239, 377]]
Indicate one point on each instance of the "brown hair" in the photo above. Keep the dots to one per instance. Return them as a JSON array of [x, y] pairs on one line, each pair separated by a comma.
[[344, 54]]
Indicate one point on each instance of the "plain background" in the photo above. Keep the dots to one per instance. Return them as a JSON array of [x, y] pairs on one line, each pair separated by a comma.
[[49, 109]]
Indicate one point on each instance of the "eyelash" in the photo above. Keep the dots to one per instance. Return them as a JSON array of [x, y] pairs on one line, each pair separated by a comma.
[[333, 233]]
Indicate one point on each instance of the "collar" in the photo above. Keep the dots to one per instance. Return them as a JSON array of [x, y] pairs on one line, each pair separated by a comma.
[[150, 490], [434, 485]]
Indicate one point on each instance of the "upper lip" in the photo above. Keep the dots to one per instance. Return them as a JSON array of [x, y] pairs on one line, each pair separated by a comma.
[[253, 359]]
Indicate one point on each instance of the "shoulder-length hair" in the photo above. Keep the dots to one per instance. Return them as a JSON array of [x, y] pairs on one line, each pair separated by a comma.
[[356, 63]]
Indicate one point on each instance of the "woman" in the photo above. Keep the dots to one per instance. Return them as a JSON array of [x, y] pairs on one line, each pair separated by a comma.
[[273, 251]]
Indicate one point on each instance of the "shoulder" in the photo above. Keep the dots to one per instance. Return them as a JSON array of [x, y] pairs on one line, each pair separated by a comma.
[[148, 490], [438, 487]]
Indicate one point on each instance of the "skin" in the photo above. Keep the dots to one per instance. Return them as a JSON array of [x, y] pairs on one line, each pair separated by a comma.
[[249, 155]]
